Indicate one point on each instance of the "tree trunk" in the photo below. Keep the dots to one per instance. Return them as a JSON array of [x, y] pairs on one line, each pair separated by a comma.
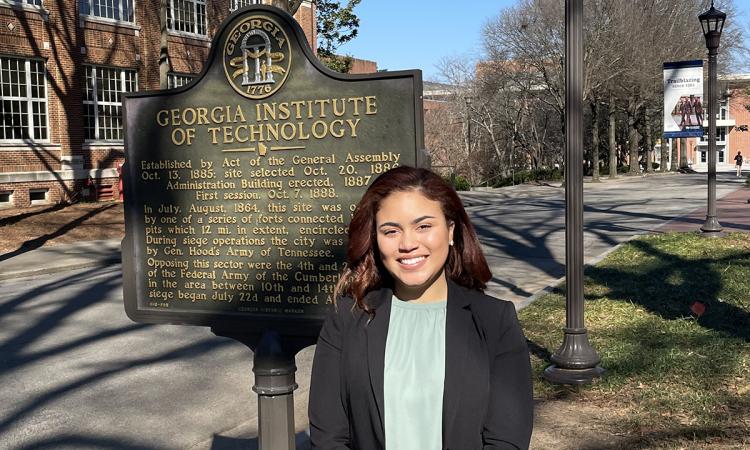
[[612, 141], [595, 141], [673, 167], [633, 142], [664, 161], [163, 46], [683, 153], [649, 142]]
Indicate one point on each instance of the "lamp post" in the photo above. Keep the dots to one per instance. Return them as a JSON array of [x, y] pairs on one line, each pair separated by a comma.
[[712, 22], [576, 361], [468, 101]]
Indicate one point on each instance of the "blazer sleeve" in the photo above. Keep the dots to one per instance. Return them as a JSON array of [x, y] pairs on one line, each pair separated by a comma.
[[510, 415], [329, 422]]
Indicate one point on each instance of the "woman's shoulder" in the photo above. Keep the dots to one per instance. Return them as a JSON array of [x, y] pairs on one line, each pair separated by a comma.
[[347, 309], [480, 300], [492, 314]]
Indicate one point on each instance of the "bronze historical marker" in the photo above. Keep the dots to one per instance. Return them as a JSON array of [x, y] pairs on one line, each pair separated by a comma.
[[239, 187]]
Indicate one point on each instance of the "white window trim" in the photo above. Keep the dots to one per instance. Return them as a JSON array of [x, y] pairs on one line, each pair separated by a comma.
[[185, 34], [107, 19], [9, 203], [235, 4], [172, 75], [104, 20], [22, 5], [38, 190], [96, 101], [193, 33], [29, 104]]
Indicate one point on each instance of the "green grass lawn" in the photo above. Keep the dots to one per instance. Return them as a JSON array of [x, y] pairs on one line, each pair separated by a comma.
[[670, 318]]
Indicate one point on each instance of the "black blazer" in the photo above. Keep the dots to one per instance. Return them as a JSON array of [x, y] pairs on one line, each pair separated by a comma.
[[487, 397]]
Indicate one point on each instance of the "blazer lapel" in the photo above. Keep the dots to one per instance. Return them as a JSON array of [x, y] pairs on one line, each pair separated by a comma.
[[377, 332], [459, 324]]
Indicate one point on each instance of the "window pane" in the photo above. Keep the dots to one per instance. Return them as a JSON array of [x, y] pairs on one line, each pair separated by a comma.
[[89, 118], [23, 101], [108, 9], [176, 80], [102, 106], [188, 16]]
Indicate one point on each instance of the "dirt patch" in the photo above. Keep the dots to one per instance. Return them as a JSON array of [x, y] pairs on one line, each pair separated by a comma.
[[575, 425], [50, 225]]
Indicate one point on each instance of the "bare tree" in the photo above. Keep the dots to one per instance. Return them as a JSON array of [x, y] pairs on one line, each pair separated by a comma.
[[519, 87]]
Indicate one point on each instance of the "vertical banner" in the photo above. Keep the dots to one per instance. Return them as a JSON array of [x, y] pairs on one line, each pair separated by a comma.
[[683, 99]]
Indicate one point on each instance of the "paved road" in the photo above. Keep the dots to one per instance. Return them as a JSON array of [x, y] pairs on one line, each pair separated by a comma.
[[77, 374]]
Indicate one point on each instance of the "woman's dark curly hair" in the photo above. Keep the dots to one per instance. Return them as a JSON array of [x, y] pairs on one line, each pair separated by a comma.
[[364, 270]]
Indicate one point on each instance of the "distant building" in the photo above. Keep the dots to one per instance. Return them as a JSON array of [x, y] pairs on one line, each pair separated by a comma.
[[363, 66], [732, 127], [64, 65]]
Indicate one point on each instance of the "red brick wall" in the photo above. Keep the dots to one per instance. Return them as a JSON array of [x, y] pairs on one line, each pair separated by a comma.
[[363, 66], [57, 191], [28, 160], [739, 140]]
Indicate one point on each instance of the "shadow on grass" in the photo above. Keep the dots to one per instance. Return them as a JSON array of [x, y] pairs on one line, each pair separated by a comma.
[[667, 285], [41, 240]]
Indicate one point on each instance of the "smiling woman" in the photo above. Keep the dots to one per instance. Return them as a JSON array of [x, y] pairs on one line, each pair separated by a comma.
[[413, 237], [411, 326]]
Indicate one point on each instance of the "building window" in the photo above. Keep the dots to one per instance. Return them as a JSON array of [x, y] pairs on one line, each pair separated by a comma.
[[721, 156], [188, 16], [237, 4], [703, 157], [38, 196], [721, 134], [6, 199], [102, 101], [108, 9], [23, 99], [177, 79], [24, 2]]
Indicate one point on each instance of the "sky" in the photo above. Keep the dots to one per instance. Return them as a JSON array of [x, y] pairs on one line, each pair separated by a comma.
[[418, 34]]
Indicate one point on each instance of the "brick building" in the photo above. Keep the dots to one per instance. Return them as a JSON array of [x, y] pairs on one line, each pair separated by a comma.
[[732, 128], [63, 67]]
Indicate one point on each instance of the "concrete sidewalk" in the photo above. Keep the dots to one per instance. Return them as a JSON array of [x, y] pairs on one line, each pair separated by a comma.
[[46, 260], [732, 210]]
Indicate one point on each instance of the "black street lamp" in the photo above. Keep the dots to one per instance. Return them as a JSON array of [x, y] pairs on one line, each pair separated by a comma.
[[576, 361], [712, 22]]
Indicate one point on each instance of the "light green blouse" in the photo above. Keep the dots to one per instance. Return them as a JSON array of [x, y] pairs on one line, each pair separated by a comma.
[[414, 376]]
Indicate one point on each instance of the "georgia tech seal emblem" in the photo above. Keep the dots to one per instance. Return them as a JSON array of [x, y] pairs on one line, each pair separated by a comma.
[[257, 57]]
